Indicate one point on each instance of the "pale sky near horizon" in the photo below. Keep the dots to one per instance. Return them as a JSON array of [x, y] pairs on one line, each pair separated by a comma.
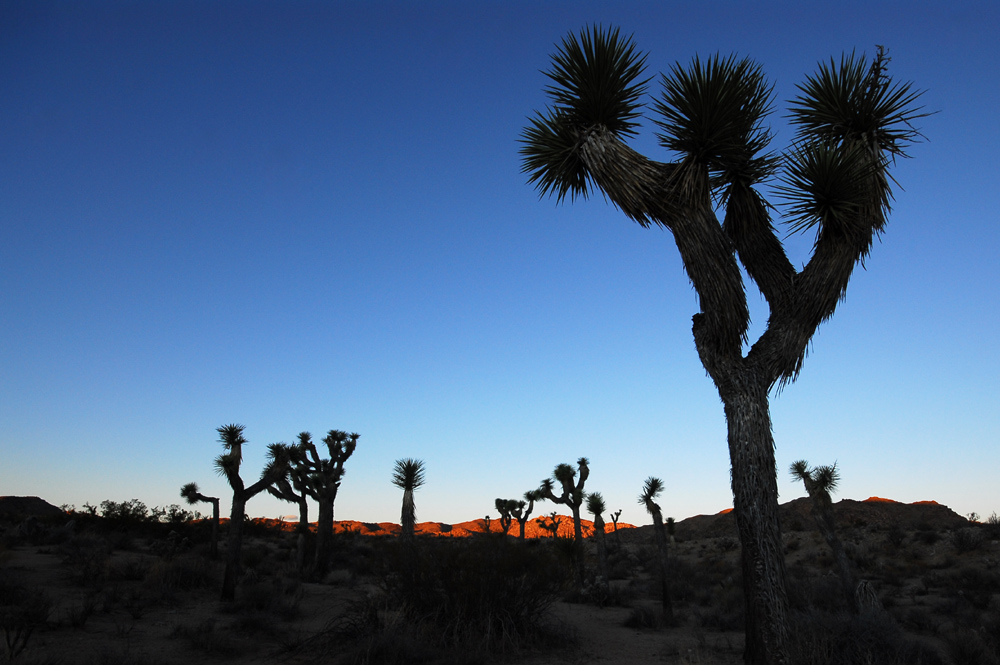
[[311, 216]]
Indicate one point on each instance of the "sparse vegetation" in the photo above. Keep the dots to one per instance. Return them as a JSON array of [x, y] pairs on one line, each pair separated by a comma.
[[482, 600]]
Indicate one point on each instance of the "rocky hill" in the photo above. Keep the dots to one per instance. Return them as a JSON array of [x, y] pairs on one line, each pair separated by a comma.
[[13, 507]]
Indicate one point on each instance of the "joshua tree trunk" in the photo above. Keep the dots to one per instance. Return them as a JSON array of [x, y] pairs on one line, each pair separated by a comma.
[[302, 538], [664, 565], [234, 546], [324, 537], [848, 582], [602, 548], [215, 528], [755, 502]]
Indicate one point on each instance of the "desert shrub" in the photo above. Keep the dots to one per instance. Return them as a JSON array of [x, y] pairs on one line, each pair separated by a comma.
[[269, 597], [822, 638], [204, 637], [972, 647], [928, 536], [182, 573], [967, 539], [895, 536], [22, 610], [131, 569], [810, 591], [77, 615], [644, 617], [485, 592], [87, 556]]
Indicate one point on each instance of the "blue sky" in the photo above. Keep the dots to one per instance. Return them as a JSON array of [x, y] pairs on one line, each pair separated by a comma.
[[311, 216]]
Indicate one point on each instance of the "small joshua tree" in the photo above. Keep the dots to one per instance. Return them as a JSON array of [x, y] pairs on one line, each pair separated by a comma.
[[820, 482], [614, 520], [191, 494], [551, 523], [650, 490], [524, 509], [596, 507], [408, 475], [228, 465]]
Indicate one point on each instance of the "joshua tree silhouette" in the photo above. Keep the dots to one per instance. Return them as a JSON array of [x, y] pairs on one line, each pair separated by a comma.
[[852, 122], [408, 475], [650, 490], [320, 478], [524, 509], [191, 494], [820, 482], [596, 507], [508, 509], [228, 465], [572, 496]]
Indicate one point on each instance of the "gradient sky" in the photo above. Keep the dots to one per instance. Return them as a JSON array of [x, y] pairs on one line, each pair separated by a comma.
[[311, 216]]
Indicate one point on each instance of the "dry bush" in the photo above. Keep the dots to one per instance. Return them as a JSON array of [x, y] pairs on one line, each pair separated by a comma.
[[823, 638], [22, 611]]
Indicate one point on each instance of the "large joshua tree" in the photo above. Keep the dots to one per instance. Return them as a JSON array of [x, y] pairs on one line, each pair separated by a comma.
[[320, 478], [191, 494], [228, 465], [820, 482], [408, 475], [650, 490], [851, 122]]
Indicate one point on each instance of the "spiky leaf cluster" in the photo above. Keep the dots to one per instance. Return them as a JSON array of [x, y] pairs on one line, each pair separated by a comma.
[[595, 83], [712, 114], [650, 490], [851, 121], [595, 503], [408, 474]]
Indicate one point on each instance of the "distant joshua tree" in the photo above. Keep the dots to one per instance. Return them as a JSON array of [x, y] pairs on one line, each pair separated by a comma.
[[551, 523], [408, 475], [820, 482], [650, 490], [320, 478], [524, 509], [614, 520], [191, 494], [508, 509], [291, 488], [572, 496], [228, 465], [596, 507]]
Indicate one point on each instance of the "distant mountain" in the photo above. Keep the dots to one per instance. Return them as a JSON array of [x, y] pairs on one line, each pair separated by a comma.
[[12, 507], [797, 516], [532, 529]]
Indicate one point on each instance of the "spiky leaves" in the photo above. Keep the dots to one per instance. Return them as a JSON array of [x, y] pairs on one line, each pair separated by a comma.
[[712, 114], [228, 464], [595, 504], [650, 490], [595, 86], [408, 475], [852, 120], [822, 479]]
